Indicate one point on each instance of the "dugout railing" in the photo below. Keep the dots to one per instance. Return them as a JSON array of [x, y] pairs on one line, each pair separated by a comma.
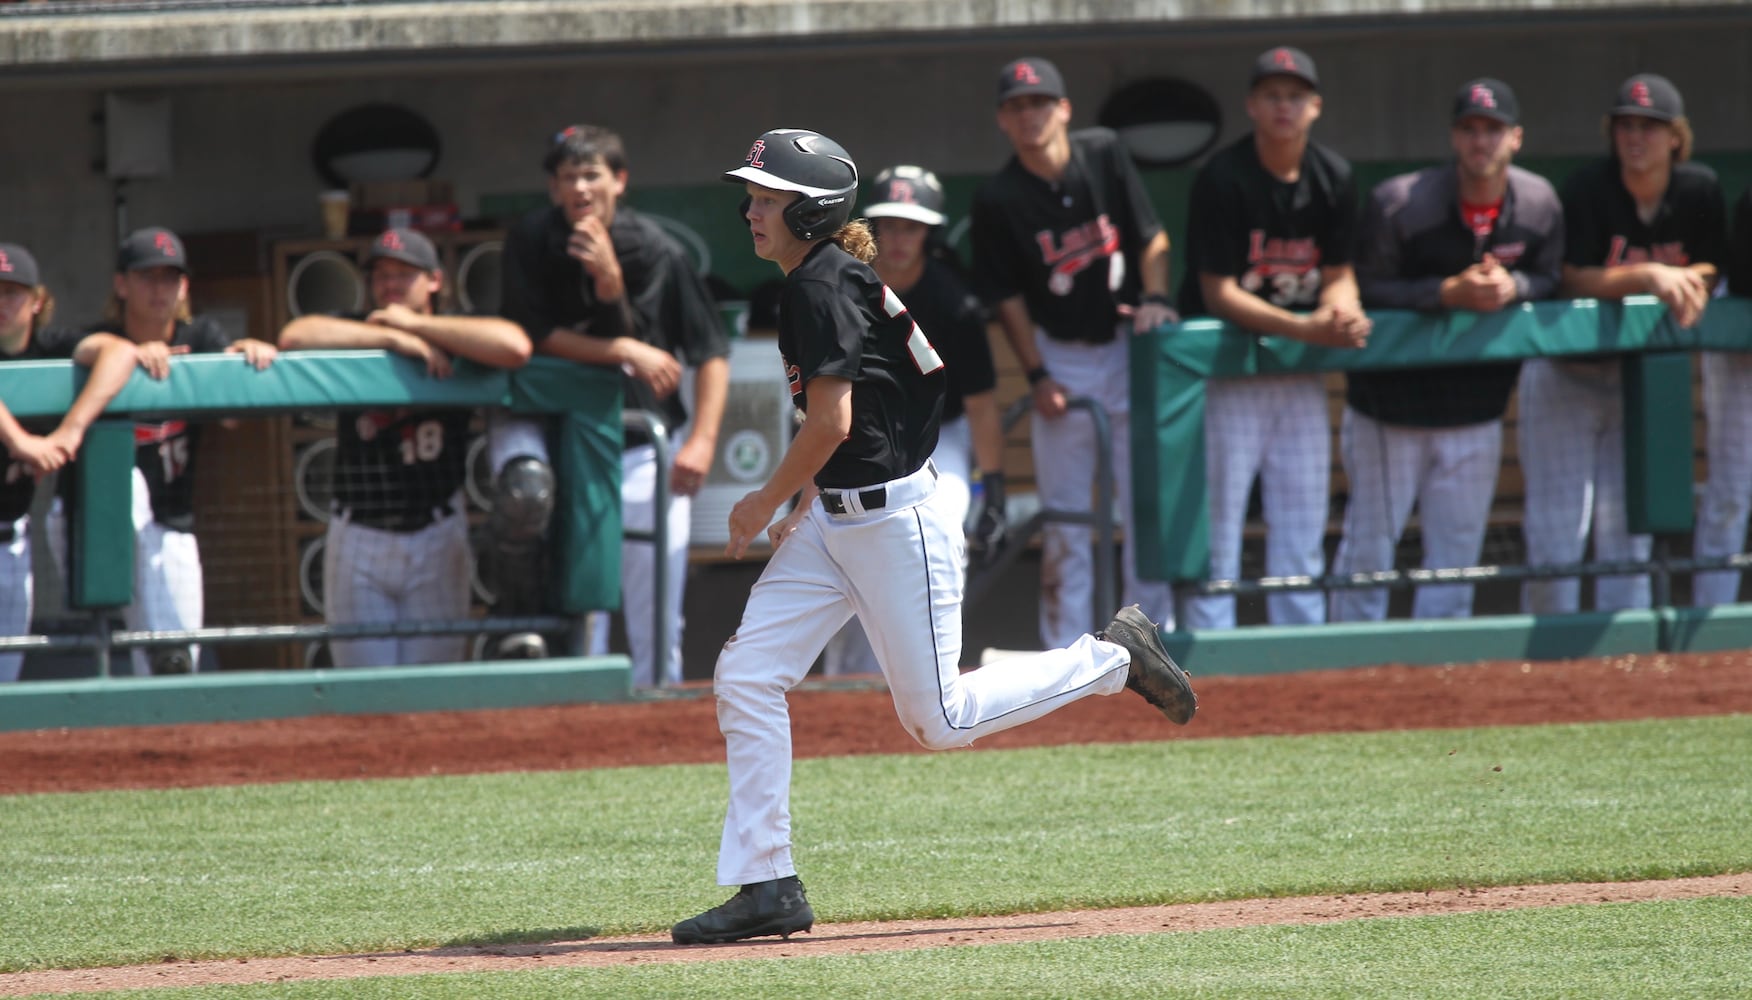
[[581, 405], [1168, 372]]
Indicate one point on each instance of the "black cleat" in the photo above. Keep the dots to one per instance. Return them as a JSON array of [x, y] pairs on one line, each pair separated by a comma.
[[1154, 674], [758, 910]]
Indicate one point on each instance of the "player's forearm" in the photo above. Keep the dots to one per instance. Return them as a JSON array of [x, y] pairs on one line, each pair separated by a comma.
[[1012, 316], [711, 390], [11, 431], [110, 371], [1153, 270], [1608, 282], [986, 429], [814, 443], [1338, 287], [1228, 302], [582, 348], [486, 339], [316, 333]]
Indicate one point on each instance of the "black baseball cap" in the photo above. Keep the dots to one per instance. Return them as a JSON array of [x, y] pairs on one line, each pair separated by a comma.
[[409, 246], [1486, 97], [153, 247], [18, 266], [1029, 75], [1649, 95], [1285, 61]]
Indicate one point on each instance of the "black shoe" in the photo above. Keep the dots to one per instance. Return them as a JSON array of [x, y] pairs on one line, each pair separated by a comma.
[[520, 646], [1154, 674], [776, 907]]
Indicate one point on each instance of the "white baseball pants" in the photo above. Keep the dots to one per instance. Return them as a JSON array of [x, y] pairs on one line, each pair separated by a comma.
[[371, 575], [1571, 435], [17, 591], [899, 569], [1276, 429], [1727, 496], [639, 472], [1064, 476], [1449, 473]]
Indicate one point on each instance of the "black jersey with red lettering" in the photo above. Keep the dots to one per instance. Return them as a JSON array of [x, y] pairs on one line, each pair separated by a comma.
[[837, 318], [18, 482], [165, 447], [397, 467], [1072, 247], [1740, 248], [1271, 236], [955, 324], [1602, 228]]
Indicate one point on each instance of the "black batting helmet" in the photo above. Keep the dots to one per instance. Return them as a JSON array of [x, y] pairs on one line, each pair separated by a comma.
[[908, 192], [811, 164]]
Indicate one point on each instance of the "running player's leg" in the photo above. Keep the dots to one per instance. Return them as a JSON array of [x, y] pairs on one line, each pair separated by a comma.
[[794, 607], [1727, 497], [16, 593], [353, 557], [1613, 541], [1556, 420], [440, 568], [912, 599], [1453, 508], [1295, 488], [1381, 465]]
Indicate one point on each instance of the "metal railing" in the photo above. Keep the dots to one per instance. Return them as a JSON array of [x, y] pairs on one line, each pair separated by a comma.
[[979, 583]]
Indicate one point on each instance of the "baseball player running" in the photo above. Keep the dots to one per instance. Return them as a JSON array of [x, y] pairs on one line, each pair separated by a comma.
[[1727, 407], [1270, 229], [149, 306], [1477, 234], [596, 282], [869, 538], [907, 219], [37, 447], [397, 546], [1069, 252], [1642, 221]]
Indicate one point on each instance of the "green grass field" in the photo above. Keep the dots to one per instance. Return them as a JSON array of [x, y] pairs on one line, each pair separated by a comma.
[[123, 877]]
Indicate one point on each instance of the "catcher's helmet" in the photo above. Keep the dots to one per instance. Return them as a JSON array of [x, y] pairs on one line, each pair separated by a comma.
[[811, 164], [908, 192]]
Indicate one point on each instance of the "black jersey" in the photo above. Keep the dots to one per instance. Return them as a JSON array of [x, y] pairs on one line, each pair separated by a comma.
[[837, 318], [1271, 236], [1602, 228], [1070, 248], [397, 467], [1740, 248], [165, 446], [18, 482], [666, 303], [955, 323]]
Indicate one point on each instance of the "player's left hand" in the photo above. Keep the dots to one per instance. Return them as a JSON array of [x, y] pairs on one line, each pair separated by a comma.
[[692, 463], [259, 353], [748, 519], [783, 528], [39, 454], [589, 245]]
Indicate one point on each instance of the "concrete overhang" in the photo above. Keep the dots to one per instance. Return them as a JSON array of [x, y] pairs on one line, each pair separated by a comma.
[[168, 39]]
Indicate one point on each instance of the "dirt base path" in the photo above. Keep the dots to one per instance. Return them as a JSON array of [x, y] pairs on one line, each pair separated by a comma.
[[868, 938], [851, 717]]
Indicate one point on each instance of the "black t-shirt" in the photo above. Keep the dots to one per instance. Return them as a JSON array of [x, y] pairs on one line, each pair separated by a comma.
[[398, 463], [1740, 248], [1601, 227], [165, 447], [1071, 249], [1272, 236], [837, 318], [955, 324], [18, 483], [666, 303]]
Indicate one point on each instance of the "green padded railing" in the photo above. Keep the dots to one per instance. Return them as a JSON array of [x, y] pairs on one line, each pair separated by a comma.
[[585, 404], [1169, 368]]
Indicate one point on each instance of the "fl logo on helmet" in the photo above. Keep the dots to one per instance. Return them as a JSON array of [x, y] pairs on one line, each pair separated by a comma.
[[754, 152]]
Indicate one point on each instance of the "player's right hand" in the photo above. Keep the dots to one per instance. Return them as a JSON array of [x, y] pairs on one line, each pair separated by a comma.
[[40, 454], [436, 360], [1050, 399], [653, 366], [1683, 290], [155, 357], [783, 528]]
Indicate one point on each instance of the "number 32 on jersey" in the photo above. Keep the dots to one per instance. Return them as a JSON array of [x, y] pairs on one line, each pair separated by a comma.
[[923, 354]]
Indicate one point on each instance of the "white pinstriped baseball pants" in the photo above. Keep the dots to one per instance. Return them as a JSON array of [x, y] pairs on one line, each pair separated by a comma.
[[1450, 474], [1276, 429], [899, 569], [16, 593], [1571, 436], [1727, 496]]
